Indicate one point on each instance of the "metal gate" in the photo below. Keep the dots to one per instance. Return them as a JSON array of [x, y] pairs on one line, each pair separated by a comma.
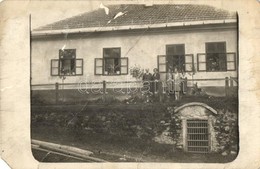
[[198, 136]]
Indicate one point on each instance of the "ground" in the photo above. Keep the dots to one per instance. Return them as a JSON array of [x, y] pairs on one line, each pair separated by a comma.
[[53, 126]]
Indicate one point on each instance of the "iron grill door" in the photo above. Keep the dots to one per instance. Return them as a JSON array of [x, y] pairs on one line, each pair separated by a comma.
[[197, 136]]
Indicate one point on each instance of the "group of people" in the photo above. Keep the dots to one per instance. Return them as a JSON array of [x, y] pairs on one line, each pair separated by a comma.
[[173, 81]]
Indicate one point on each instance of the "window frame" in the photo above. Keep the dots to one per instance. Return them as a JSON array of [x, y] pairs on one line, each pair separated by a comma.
[[227, 53], [75, 65], [106, 58], [178, 55], [218, 52], [103, 63], [103, 70]]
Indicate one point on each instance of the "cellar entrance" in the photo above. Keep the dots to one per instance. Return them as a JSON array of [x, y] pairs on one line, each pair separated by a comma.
[[197, 136]]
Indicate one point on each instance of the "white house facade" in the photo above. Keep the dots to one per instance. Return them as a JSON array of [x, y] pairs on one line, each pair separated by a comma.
[[199, 40]]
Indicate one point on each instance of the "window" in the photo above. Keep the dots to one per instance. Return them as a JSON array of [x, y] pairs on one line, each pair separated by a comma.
[[175, 58], [216, 58], [111, 60], [67, 64], [112, 63]]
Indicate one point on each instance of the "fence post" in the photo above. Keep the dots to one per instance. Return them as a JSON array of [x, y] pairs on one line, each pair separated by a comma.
[[185, 85], [56, 92], [231, 82], [231, 86], [227, 86], [104, 90], [160, 90]]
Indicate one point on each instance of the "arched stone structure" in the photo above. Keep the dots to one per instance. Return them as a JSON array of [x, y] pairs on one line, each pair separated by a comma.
[[197, 131]]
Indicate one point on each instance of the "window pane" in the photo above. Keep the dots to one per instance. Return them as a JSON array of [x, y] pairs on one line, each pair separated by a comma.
[[216, 47], [231, 57], [216, 62], [178, 49], [188, 59], [99, 70], [55, 63], [123, 62], [67, 66], [231, 66], [67, 53], [123, 70], [112, 52], [188, 67], [221, 47], [112, 66], [222, 62], [162, 68], [54, 71], [79, 62], [202, 66], [79, 70], [210, 47], [109, 65], [202, 58], [162, 59], [99, 62], [176, 61]]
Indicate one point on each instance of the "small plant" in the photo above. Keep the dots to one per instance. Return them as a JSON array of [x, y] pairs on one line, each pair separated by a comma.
[[136, 71]]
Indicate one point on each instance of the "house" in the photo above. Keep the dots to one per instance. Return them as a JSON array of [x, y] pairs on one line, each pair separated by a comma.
[[199, 40]]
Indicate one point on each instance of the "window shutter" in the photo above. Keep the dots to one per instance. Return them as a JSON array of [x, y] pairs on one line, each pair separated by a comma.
[[55, 67], [79, 66], [189, 63], [201, 62], [231, 61], [124, 65], [98, 66], [161, 63]]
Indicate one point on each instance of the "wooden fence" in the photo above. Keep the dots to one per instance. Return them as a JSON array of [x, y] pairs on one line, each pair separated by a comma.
[[228, 82]]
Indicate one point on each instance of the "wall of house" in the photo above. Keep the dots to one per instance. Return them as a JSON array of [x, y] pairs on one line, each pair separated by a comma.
[[141, 49]]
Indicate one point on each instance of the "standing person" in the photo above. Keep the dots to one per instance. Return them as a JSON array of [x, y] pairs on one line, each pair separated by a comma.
[[177, 83], [147, 80], [155, 78], [169, 81]]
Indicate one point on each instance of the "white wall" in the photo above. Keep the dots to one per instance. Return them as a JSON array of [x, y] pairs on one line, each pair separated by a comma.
[[143, 51]]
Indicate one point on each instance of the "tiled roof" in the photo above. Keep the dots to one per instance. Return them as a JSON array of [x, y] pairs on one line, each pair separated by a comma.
[[141, 15]]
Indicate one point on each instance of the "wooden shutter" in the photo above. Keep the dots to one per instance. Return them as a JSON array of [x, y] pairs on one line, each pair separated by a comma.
[[231, 61], [98, 66], [201, 61], [124, 65], [79, 66], [161, 63], [55, 67], [189, 63]]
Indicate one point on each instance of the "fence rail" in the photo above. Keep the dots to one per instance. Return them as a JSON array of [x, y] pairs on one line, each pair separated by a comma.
[[228, 83]]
